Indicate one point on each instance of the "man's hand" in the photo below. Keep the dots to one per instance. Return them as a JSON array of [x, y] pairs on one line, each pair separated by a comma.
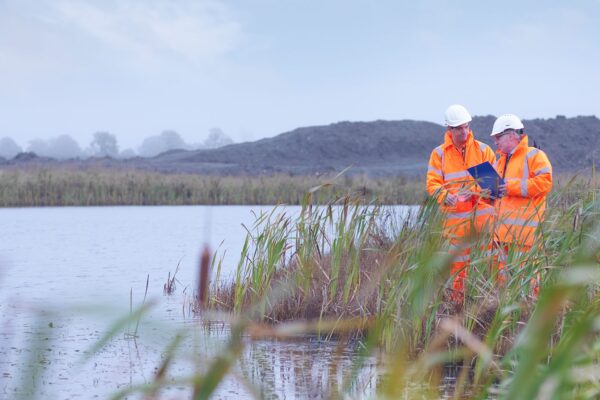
[[502, 190], [486, 193]]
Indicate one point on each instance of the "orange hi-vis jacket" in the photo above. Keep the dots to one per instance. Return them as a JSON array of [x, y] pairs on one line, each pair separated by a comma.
[[447, 173], [528, 177]]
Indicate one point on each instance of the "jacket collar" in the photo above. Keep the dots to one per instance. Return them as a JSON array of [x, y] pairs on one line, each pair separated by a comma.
[[448, 140], [522, 146]]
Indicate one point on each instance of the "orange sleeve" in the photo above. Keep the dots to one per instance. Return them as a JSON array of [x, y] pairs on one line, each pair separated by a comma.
[[539, 180], [435, 176], [540, 171]]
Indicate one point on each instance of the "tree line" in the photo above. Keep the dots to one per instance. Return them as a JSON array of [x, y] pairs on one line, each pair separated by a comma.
[[105, 144]]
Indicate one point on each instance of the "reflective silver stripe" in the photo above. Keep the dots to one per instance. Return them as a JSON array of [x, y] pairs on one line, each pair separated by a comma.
[[484, 211], [525, 176], [520, 222], [524, 187], [458, 215], [440, 153], [532, 153], [461, 258], [545, 170], [456, 175], [437, 171], [482, 146]]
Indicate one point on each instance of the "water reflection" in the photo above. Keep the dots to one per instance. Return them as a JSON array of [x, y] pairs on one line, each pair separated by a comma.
[[66, 275], [306, 368], [60, 361]]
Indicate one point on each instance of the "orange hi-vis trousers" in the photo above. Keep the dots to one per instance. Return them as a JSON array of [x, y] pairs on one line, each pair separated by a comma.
[[476, 221], [501, 271], [458, 269]]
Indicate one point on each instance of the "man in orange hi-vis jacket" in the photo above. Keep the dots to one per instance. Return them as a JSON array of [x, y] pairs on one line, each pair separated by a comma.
[[452, 185], [527, 175]]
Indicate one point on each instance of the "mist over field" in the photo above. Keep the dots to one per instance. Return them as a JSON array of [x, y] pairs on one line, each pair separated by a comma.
[[105, 144]]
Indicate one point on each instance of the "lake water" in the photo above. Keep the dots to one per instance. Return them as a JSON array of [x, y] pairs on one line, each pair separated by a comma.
[[68, 274]]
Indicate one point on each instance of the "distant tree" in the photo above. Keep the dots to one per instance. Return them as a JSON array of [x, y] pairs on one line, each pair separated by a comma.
[[60, 147], [104, 144], [167, 140], [64, 146], [217, 138], [151, 146], [8, 148], [172, 140], [127, 153], [39, 147]]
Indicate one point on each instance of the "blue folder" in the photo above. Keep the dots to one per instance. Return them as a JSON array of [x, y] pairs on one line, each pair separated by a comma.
[[487, 177]]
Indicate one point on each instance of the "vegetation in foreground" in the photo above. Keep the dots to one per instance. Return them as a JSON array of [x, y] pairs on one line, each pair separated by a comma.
[[350, 272], [63, 186], [356, 272]]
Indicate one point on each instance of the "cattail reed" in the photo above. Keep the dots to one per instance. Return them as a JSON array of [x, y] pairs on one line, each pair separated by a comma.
[[203, 278]]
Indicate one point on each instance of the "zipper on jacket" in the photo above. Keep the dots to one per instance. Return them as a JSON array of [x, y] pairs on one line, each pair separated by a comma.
[[506, 165]]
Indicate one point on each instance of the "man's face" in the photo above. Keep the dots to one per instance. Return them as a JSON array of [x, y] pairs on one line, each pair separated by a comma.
[[506, 141], [460, 134]]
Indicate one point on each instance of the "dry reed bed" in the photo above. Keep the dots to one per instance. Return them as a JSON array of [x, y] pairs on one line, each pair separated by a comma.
[[62, 186]]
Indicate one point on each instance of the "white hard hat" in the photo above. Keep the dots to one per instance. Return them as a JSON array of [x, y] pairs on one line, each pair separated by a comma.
[[457, 115], [506, 121]]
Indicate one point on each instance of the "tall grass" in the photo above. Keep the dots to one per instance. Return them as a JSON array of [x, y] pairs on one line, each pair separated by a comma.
[[342, 269], [64, 186]]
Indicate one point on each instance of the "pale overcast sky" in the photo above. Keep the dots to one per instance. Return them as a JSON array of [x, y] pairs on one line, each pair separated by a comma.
[[262, 67]]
